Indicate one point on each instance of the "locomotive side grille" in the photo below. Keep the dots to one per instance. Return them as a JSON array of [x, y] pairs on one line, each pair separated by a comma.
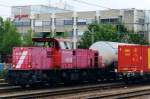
[[49, 54], [96, 59]]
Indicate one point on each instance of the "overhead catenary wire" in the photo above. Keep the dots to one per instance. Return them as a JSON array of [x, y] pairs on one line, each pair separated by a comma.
[[91, 4]]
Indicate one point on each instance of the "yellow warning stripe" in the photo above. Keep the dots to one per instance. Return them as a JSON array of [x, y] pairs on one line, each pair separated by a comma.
[[148, 58]]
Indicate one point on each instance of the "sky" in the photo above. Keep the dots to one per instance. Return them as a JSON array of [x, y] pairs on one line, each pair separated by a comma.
[[5, 5]]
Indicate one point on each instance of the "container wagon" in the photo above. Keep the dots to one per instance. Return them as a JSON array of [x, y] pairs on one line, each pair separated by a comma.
[[134, 62]]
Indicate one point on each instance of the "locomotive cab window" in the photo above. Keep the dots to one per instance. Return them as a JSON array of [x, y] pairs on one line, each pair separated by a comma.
[[64, 45], [44, 44], [50, 42]]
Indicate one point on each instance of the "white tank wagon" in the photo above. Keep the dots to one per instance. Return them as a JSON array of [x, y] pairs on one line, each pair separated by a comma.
[[108, 51]]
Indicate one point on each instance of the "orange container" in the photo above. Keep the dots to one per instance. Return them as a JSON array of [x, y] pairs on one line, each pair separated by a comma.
[[134, 58]]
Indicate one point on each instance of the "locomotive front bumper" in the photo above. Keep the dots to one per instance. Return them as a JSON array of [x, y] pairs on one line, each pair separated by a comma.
[[21, 77]]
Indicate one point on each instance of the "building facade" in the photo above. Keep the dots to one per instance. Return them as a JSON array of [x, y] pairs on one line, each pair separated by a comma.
[[22, 12], [75, 23]]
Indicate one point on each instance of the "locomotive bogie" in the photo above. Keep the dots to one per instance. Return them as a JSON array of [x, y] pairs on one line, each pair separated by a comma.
[[50, 77]]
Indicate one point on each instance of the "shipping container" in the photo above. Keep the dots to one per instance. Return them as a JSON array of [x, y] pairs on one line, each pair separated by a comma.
[[134, 59]]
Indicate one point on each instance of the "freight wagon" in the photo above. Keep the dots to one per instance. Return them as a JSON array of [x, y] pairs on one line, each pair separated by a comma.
[[134, 62]]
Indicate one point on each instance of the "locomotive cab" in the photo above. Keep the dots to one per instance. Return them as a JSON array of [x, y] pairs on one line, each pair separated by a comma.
[[51, 42], [58, 48]]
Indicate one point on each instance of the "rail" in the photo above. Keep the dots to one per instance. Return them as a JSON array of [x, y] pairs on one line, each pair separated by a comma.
[[57, 91]]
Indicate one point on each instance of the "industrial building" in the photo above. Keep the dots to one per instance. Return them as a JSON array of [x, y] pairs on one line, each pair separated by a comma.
[[75, 23]]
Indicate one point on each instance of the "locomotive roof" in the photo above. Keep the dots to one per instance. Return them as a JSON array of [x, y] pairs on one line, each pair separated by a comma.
[[50, 39]]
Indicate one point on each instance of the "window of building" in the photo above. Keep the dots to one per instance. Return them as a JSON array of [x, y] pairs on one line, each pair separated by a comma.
[[59, 22], [46, 23], [110, 20], [141, 21], [89, 21], [38, 22], [22, 23], [81, 22], [68, 22]]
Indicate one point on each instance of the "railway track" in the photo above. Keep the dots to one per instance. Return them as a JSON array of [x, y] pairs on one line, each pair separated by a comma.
[[126, 93], [30, 93], [91, 91], [2, 80], [4, 84], [132, 91]]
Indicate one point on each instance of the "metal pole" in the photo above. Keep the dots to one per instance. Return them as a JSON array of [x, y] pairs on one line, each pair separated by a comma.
[[92, 35], [32, 27], [32, 24], [22, 33], [74, 30], [53, 24], [98, 16], [148, 32], [135, 18]]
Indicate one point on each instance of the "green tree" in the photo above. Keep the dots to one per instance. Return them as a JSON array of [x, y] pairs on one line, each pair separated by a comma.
[[137, 39], [107, 32], [98, 32], [10, 38], [1, 30], [65, 34], [27, 38]]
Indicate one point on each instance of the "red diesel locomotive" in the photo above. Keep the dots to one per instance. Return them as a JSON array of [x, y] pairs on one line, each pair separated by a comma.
[[52, 60]]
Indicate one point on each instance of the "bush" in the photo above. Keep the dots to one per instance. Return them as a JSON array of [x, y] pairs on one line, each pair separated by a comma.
[[3, 74]]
